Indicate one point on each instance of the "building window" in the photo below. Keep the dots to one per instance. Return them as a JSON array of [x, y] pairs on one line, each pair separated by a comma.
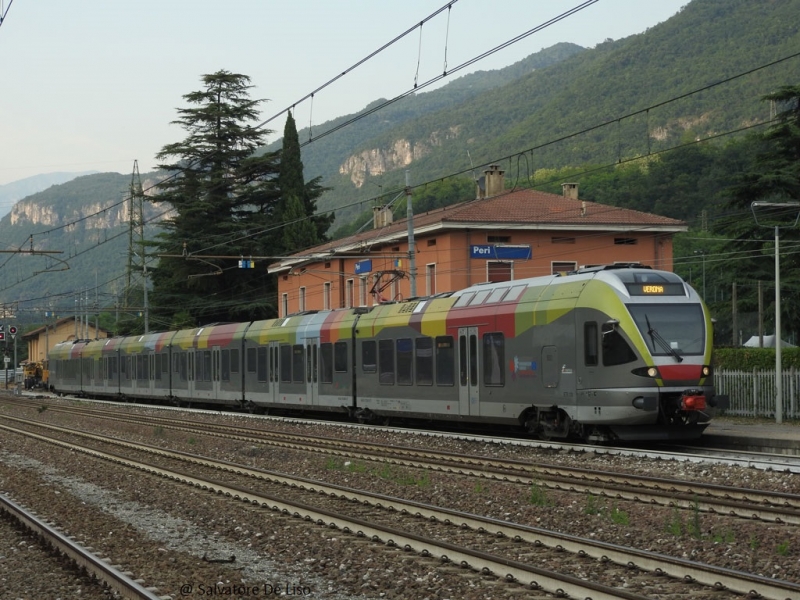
[[498, 239], [563, 267], [560, 239], [349, 299], [432, 242], [362, 291], [284, 304], [302, 302], [430, 278], [625, 241], [326, 295], [499, 271]]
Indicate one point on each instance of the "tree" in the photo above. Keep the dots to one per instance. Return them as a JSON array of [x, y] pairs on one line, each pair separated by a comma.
[[772, 175], [298, 198], [224, 201]]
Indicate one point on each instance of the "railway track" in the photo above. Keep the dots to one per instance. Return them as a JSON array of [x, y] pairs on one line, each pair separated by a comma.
[[487, 545], [767, 506], [82, 558]]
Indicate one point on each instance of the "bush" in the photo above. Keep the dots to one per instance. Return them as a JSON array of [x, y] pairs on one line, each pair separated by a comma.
[[762, 359]]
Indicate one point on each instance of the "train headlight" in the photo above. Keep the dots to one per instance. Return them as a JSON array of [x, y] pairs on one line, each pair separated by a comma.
[[651, 372], [706, 371]]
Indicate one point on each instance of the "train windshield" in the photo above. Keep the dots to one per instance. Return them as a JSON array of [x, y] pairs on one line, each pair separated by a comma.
[[671, 329]]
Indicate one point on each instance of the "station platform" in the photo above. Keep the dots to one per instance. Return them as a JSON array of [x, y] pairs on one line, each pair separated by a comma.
[[754, 435]]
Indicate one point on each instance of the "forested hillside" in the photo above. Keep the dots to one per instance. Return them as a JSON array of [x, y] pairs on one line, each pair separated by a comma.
[[644, 75]]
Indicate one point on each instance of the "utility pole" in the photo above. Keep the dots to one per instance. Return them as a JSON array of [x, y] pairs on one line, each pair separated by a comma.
[[136, 238]]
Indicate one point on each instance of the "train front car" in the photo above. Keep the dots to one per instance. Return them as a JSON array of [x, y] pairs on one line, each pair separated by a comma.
[[646, 364]]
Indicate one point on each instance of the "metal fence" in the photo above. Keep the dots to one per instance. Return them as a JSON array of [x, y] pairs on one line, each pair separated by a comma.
[[752, 393]]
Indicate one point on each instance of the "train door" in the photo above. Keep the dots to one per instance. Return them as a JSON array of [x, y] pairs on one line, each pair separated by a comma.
[[312, 380], [190, 383], [274, 372], [468, 394], [216, 361]]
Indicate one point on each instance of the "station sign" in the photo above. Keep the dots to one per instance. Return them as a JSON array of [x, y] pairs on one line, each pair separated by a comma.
[[500, 252], [363, 266]]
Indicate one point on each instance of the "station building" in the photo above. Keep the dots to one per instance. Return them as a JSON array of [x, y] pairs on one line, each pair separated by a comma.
[[502, 235]]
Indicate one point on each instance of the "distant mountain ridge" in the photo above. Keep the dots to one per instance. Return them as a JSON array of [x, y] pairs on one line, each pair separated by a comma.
[[17, 190], [512, 116]]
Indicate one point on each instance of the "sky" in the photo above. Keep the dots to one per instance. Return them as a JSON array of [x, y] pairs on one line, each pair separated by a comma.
[[94, 85]]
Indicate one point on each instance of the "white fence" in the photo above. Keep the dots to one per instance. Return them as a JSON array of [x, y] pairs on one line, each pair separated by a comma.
[[752, 393]]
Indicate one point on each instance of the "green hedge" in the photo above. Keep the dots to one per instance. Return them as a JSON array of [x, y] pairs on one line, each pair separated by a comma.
[[747, 359]]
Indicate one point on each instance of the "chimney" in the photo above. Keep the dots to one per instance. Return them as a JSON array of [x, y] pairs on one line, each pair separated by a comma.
[[492, 182], [569, 190], [381, 216]]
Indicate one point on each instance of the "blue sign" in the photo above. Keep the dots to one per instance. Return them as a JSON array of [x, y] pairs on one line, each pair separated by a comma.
[[364, 266], [493, 252]]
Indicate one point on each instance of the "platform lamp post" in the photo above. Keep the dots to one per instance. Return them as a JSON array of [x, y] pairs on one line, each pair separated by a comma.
[[777, 209]]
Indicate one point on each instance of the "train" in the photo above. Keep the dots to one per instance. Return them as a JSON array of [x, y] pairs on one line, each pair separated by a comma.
[[601, 354]]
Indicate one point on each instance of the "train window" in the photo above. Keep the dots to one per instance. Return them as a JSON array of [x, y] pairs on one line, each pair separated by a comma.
[[463, 300], [251, 360], [286, 363], [260, 369], [494, 348], [680, 327], [423, 360], [497, 294], [369, 356], [184, 367], [226, 365], [462, 359], [340, 357], [206, 366], [479, 297], [308, 364], [386, 362], [514, 293], [314, 371], [616, 350], [326, 363], [405, 361], [590, 348], [473, 359], [298, 366], [234, 360], [156, 370], [165, 363], [445, 359], [198, 365]]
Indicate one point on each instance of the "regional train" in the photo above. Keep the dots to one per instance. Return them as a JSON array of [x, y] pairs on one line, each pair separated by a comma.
[[611, 353]]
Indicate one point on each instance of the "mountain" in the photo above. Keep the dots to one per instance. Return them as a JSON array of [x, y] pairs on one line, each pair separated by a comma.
[[16, 190], [707, 42], [563, 106]]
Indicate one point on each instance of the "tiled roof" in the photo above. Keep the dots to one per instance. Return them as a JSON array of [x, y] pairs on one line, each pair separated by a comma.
[[522, 209]]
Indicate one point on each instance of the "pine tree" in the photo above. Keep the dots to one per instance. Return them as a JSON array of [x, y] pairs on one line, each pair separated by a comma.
[[224, 201], [292, 186]]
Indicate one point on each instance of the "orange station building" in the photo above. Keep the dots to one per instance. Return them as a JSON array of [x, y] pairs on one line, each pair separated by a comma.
[[500, 236]]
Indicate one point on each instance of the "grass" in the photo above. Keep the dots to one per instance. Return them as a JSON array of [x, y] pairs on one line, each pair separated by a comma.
[[538, 496]]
